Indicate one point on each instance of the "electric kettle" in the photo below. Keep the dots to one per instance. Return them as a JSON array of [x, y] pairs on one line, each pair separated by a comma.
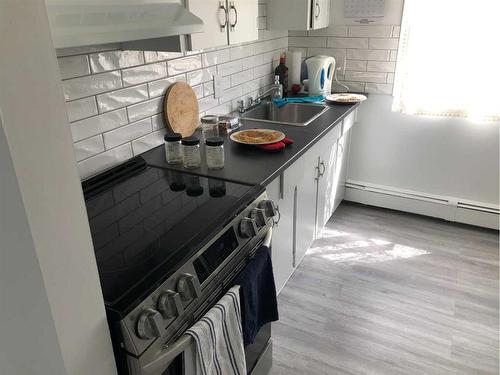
[[320, 70]]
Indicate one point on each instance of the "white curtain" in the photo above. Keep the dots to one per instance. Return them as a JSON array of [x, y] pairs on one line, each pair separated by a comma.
[[449, 59]]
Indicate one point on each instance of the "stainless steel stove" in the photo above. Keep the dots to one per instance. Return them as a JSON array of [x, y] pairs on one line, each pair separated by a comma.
[[168, 245]]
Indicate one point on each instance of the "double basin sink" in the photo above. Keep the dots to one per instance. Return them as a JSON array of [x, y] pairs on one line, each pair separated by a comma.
[[297, 114]]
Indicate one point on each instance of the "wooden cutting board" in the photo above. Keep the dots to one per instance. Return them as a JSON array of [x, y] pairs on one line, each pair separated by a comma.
[[181, 109]]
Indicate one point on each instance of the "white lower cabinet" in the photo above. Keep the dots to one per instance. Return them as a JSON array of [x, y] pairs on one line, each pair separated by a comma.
[[307, 194]]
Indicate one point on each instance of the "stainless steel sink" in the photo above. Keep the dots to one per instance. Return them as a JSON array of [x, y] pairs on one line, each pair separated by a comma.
[[298, 114]]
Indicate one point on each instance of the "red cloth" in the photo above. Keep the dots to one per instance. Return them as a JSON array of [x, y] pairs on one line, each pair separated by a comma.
[[278, 145]]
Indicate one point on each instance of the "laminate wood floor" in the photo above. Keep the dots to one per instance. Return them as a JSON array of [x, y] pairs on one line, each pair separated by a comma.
[[383, 292]]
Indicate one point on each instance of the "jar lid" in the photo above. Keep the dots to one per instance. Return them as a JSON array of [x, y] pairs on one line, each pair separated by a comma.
[[190, 141], [209, 119], [214, 141], [173, 137]]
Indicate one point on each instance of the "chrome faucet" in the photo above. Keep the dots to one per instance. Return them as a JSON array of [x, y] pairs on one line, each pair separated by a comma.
[[275, 91]]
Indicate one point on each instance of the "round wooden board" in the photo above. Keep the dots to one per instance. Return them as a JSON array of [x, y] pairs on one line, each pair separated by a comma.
[[181, 109]]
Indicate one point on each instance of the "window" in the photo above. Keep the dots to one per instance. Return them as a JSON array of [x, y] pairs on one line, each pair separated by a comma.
[[449, 59]]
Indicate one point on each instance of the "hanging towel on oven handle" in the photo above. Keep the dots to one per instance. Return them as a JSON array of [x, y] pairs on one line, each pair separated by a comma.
[[218, 338], [257, 294]]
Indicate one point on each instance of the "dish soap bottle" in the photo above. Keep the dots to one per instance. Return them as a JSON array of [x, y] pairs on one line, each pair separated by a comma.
[[282, 72], [278, 88]]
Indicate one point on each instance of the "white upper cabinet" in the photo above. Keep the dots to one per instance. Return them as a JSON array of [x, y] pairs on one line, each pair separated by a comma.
[[226, 22], [243, 21], [214, 16], [298, 14]]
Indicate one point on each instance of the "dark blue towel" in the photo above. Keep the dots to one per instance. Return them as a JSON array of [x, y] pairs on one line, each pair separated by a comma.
[[257, 294]]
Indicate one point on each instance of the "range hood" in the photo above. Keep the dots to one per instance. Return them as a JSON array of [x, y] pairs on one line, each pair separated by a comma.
[[154, 25]]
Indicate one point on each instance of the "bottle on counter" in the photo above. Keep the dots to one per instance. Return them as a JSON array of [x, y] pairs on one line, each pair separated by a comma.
[[173, 148], [214, 149], [278, 88], [191, 152], [282, 72]]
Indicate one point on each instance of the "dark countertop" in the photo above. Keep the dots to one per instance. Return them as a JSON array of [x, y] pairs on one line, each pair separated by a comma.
[[249, 165]]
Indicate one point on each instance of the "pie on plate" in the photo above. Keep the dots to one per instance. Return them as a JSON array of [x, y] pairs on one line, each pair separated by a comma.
[[257, 136], [345, 98]]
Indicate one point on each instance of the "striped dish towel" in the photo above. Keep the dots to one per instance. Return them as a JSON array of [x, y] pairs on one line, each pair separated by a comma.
[[218, 338]]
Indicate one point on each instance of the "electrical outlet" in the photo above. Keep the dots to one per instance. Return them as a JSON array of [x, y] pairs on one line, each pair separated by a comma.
[[218, 91]]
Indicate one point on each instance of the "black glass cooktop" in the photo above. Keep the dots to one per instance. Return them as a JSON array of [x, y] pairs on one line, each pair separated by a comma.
[[146, 222]]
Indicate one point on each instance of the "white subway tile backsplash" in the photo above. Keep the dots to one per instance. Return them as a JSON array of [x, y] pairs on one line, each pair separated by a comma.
[[73, 51], [384, 43], [263, 70], [157, 88], [358, 65], [144, 73], [81, 108], [77, 88], [241, 52], [106, 160], [396, 30], [252, 61], [89, 147], [262, 10], [158, 122], [145, 109], [215, 57], [381, 66], [184, 65], [207, 102], [99, 124], [332, 30], [113, 60], [337, 53], [373, 77], [390, 77], [353, 86], [229, 68], [122, 98], [151, 56], [148, 142], [201, 76], [198, 90], [378, 88], [311, 41], [337, 42], [370, 31], [231, 94], [73, 66], [208, 88], [242, 77], [393, 56], [127, 133], [366, 54], [297, 33]]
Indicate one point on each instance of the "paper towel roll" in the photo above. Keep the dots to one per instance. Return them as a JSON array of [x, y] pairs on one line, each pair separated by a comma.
[[295, 62]]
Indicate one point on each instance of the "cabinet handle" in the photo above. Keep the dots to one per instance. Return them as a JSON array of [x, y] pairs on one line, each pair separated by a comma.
[[276, 222], [223, 8], [318, 9], [322, 170], [233, 25]]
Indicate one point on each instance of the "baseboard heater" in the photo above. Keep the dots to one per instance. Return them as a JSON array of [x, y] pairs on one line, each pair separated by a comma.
[[448, 208]]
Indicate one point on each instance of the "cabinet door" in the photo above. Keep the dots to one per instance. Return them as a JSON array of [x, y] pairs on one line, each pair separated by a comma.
[[320, 14], [243, 21], [342, 158], [305, 204], [215, 33], [327, 186], [282, 246]]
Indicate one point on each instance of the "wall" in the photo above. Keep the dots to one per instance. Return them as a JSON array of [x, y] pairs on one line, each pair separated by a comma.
[[447, 157], [54, 258], [114, 98]]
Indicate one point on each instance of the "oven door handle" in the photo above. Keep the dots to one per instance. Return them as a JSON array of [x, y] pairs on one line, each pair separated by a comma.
[[168, 355], [269, 237]]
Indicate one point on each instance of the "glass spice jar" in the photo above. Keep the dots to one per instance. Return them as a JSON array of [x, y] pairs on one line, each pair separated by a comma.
[[173, 148], [191, 152], [210, 126], [214, 149]]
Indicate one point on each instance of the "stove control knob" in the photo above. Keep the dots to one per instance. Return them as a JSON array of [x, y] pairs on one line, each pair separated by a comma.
[[268, 207], [149, 324], [259, 216], [170, 305], [248, 228], [189, 286]]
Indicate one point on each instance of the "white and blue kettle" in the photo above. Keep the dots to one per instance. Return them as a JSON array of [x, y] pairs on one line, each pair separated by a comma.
[[320, 70]]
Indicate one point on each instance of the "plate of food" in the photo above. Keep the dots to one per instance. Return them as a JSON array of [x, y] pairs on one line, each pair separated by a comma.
[[257, 136], [345, 98]]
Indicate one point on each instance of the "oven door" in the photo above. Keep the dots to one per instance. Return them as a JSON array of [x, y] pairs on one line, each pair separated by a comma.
[[179, 358]]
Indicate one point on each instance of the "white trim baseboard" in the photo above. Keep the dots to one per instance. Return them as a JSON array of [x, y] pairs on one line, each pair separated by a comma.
[[447, 208]]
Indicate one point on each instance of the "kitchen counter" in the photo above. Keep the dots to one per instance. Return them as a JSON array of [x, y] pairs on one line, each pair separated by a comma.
[[252, 166]]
